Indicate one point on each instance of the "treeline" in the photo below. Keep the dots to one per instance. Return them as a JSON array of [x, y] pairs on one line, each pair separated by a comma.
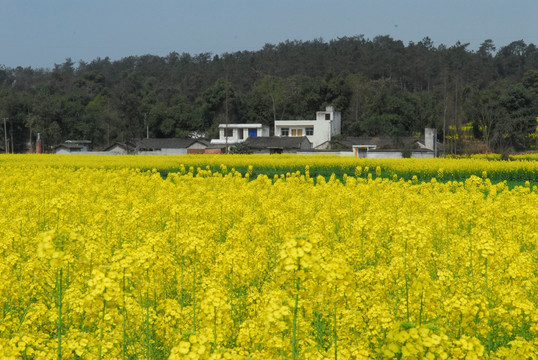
[[381, 86]]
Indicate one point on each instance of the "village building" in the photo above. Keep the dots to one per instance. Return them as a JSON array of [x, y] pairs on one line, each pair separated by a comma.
[[391, 147], [73, 147], [235, 133], [119, 148], [278, 145], [319, 132], [170, 146]]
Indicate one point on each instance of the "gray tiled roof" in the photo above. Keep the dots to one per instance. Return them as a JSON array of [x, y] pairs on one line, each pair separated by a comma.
[[170, 143], [379, 141], [127, 147], [68, 146], [285, 142]]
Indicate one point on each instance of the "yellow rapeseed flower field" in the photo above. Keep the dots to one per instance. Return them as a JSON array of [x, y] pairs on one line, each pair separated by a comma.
[[101, 259]]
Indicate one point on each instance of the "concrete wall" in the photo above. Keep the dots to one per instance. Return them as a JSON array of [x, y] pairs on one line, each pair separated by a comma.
[[324, 129], [63, 150], [235, 134], [422, 155], [197, 145], [430, 139], [164, 152], [333, 153], [384, 155], [397, 154], [335, 119], [240, 132], [264, 131], [117, 150]]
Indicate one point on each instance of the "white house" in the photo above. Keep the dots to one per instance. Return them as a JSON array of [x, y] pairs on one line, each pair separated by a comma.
[[73, 146], [170, 146], [320, 131], [380, 148], [119, 149], [236, 133], [395, 154]]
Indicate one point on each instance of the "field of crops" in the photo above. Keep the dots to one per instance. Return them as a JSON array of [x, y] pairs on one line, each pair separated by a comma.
[[389, 259], [424, 169]]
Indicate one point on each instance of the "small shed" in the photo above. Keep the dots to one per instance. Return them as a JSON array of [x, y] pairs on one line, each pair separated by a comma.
[[73, 146], [67, 148], [119, 148]]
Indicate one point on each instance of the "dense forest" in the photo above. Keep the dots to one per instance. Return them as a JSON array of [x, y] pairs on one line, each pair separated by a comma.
[[478, 100]]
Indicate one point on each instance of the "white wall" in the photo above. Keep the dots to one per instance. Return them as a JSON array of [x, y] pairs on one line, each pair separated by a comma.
[[63, 150], [117, 150], [197, 145], [237, 130], [397, 154], [422, 154], [330, 153], [235, 134], [384, 155], [430, 139], [164, 152], [324, 129]]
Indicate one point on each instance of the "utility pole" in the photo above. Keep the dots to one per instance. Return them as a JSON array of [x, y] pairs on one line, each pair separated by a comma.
[[147, 125], [12, 148], [226, 109], [6, 144]]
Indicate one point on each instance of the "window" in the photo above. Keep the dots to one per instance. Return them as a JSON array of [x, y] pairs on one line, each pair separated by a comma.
[[309, 131], [296, 132], [328, 116], [228, 132], [240, 133], [252, 132], [285, 132]]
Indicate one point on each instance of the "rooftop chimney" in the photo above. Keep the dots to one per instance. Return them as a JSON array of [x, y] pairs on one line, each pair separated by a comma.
[[39, 144], [430, 140]]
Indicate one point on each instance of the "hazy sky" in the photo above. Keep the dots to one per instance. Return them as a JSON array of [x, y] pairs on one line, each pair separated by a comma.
[[41, 33]]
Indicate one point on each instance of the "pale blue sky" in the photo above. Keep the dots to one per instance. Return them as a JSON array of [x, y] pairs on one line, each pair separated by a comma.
[[42, 33]]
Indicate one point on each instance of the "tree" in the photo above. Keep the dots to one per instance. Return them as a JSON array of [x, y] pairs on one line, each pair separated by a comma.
[[218, 105], [240, 148], [389, 112], [519, 119], [381, 86], [511, 59], [361, 91], [275, 90], [484, 111]]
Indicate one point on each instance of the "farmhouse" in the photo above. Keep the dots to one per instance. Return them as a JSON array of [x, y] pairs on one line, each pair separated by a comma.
[[73, 146], [319, 132], [278, 145], [119, 148], [387, 147], [171, 146], [236, 133]]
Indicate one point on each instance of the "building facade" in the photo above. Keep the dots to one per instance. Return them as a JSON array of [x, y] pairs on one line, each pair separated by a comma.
[[236, 133], [170, 146], [319, 131]]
